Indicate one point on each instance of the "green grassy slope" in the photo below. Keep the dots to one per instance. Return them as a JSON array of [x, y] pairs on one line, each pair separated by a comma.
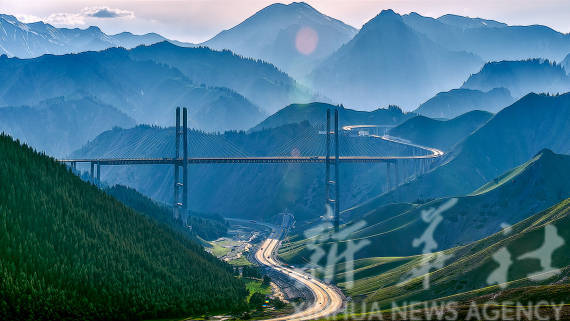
[[70, 251], [465, 275], [510, 138], [540, 183], [441, 134]]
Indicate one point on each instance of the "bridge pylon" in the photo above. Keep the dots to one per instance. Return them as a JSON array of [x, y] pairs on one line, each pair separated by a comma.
[[180, 206], [333, 203]]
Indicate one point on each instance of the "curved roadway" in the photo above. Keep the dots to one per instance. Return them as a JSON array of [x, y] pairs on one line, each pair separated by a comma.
[[327, 300]]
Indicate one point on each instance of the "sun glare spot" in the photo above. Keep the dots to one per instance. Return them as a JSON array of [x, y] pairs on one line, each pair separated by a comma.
[[306, 40]]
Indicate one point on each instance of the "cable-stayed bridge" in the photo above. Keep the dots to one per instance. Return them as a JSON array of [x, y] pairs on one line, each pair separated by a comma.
[[321, 143]]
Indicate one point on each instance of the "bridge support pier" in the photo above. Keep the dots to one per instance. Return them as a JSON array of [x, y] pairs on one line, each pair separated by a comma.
[[388, 180], [397, 173], [328, 163], [92, 173], [98, 174], [185, 166], [336, 174], [180, 206], [175, 206], [331, 203]]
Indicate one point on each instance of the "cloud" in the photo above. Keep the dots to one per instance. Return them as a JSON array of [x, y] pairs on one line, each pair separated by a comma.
[[27, 18], [74, 19], [106, 12], [66, 19]]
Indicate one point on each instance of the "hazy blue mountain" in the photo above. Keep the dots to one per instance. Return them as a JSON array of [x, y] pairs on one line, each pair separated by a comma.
[[442, 134], [511, 137], [315, 113], [273, 34], [521, 77], [467, 22], [146, 91], [492, 40], [455, 102], [387, 58], [258, 81], [26, 40], [59, 126], [248, 190], [566, 64]]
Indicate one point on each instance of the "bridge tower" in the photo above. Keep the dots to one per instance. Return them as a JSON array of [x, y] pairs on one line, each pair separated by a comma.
[[333, 203], [180, 206]]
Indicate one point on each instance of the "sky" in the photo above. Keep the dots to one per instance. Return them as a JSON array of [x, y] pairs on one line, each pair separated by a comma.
[[199, 20]]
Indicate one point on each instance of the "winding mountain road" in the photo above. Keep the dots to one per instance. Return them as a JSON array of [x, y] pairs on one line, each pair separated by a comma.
[[327, 300]]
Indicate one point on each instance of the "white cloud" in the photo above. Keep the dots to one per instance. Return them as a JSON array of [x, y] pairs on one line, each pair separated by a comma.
[[106, 12], [65, 19], [27, 18], [74, 19]]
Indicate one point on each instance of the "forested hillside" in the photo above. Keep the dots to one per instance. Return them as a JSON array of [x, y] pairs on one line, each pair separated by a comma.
[[521, 77], [208, 228], [70, 251]]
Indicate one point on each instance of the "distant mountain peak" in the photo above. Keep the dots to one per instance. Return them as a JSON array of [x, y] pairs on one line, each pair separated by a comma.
[[468, 22], [9, 18], [294, 37], [94, 29], [385, 18], [546, 152]]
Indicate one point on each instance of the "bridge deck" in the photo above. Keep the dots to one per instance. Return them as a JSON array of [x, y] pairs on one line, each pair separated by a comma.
[[242, 160]]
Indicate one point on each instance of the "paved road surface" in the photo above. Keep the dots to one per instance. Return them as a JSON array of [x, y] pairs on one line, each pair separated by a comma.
[[327, 300]]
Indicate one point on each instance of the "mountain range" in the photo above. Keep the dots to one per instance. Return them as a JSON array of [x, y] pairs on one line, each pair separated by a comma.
[[492, 40], [507, 140], [28, 40], [59, 126], [146, 91], [455, 102], [315, 113], [294, 37], [441, 134], [258, 81], [386, 58], [521, 77]]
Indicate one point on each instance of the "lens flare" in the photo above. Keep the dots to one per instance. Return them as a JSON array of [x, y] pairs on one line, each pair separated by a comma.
[[306, 40]]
